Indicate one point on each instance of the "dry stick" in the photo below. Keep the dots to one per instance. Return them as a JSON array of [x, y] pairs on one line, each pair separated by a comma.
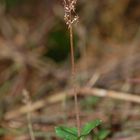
[[59, 97], [35, 106], [111, 94], [73, 78]]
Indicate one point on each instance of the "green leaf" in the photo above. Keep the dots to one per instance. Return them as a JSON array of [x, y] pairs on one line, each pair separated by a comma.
[[102, 134], [88, 127], [67, 133]]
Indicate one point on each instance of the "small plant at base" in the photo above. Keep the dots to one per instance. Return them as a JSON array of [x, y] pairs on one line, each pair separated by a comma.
[[70, 17], [75, 133]]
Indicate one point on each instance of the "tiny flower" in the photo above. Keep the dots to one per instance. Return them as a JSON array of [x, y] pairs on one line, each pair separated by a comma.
[[69, 8]]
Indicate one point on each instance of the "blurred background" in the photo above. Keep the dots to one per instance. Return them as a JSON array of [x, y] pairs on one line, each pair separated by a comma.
[[35, 56]]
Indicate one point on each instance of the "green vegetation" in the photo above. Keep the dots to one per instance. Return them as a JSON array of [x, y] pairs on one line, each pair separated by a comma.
[[71, 133]]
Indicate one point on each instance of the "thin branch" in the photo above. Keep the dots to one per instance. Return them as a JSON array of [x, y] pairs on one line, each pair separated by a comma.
[[59, 97], [111, 94]]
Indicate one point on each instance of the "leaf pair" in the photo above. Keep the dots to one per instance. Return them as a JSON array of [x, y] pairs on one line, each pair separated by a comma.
[[71, 133]]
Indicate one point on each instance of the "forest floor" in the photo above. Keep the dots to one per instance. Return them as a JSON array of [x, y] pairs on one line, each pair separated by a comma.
[[35, 70]]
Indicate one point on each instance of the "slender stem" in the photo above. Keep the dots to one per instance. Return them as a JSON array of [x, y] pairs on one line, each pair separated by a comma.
[[73, 71], [72, 52], [30, 127], [27, 101]]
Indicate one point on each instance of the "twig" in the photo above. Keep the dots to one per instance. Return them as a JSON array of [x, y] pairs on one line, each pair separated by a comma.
[[111, 94], [94, 78], [58, 97], [35, 106]]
